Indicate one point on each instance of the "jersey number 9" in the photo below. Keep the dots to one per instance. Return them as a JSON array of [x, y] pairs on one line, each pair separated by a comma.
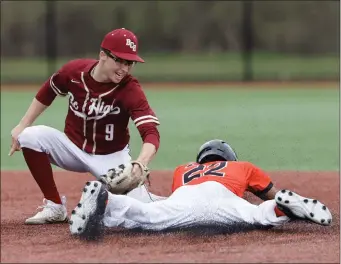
[[109, 132]]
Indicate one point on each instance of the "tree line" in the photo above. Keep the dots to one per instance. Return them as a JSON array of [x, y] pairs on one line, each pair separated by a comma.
[[304, 27]]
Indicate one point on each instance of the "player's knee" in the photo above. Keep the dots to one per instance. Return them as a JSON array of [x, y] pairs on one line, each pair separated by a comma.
[[29, 137]]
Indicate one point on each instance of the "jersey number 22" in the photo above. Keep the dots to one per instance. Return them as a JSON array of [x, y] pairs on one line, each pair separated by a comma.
[[199, 170]]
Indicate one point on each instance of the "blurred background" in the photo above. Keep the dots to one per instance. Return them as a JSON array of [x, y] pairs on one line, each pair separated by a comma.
[[180, 40], [227, 48]]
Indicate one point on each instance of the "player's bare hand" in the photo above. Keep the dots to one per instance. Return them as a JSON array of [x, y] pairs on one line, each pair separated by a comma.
[[15, 134], [136, 171]]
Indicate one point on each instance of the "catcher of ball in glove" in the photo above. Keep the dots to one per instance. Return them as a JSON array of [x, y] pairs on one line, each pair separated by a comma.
[[120, 180]]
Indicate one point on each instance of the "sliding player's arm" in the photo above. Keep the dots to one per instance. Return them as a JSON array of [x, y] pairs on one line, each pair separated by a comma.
[[260, 184]]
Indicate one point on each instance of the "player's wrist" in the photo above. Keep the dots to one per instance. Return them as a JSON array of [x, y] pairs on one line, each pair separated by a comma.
[[143, 162]]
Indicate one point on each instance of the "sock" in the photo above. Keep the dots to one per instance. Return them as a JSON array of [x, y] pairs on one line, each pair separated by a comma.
[[278, 212], [41, 170]]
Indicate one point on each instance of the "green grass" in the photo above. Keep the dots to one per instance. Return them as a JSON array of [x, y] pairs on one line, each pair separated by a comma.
[[194, 67], [276, 129]]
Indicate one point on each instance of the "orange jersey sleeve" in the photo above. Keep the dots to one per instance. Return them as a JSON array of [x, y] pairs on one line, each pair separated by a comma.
[[258, 181]]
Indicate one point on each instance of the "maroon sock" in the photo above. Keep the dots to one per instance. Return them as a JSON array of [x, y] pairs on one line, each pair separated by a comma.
[[279, 212], [41, 170]]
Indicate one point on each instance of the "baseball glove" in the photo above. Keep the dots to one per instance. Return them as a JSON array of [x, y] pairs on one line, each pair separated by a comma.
[[120, 180]]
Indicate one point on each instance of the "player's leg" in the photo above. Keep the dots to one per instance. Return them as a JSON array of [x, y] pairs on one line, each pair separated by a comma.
[[227, 209], [100, 164], [234, 209], [286, 206], [124, 211], [41, 146], [183, 208], [144, 195], [209, 203]]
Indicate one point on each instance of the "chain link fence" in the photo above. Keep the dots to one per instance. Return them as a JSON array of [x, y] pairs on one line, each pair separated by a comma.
[[180, 40]]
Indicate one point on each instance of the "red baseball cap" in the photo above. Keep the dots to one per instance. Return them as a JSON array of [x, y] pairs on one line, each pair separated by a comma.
[[123, 44]]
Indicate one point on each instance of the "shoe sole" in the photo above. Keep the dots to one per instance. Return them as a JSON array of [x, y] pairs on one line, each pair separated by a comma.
[[296, 206], [86, 218], [37, 222]]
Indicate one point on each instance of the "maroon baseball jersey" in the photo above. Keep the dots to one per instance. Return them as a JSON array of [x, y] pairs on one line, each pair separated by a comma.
[[98, 114]]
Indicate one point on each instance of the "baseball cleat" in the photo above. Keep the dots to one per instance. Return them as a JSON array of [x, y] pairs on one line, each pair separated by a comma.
[[52, 213], [86, 219], [296, 206]]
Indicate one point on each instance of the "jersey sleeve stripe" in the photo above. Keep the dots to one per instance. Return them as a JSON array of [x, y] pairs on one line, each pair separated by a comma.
[[147, 121], [145, 117], [261, 193], [55, 88]]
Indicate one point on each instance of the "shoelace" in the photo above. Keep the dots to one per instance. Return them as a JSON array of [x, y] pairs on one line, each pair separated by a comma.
[[46, 205]]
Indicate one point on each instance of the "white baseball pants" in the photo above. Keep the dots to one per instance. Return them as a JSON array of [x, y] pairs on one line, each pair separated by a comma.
[[209, 203], [66, 155]]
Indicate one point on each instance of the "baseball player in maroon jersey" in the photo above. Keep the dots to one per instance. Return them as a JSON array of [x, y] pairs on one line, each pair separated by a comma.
[[103, 96]]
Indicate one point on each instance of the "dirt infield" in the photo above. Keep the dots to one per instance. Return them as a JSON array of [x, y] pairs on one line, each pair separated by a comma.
[[194, 85], [295, 242]]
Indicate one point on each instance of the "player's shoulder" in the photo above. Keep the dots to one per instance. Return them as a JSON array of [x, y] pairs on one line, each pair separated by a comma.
[[244, 164], [180, 169], [131, 91], [78, 65], [131, 84], [186, 165]]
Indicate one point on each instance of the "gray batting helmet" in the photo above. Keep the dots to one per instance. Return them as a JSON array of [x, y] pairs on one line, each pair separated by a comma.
[[215, 150]]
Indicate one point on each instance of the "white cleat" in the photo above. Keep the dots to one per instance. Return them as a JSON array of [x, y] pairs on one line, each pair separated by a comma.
[[52, 213], [86, 218], [296, 206]]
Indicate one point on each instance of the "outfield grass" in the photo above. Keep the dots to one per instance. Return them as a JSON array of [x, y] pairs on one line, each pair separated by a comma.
[[194, 67], [277, 129]]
